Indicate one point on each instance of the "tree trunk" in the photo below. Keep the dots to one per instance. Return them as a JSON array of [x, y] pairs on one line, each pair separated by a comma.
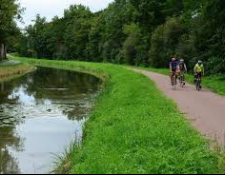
[[5, 52], [2, 52]]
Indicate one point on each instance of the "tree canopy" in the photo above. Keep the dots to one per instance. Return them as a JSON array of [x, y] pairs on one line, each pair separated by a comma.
[[136, 32]]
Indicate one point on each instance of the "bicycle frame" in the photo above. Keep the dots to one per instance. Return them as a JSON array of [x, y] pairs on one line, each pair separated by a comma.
[[181, 78], [198, 83], [174, 80]]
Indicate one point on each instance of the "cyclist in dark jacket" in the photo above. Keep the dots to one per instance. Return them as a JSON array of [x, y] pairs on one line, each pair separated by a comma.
[[174, 68]]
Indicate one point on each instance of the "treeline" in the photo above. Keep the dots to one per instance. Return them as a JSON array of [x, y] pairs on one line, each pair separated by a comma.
[[136, 32], [9, 32]]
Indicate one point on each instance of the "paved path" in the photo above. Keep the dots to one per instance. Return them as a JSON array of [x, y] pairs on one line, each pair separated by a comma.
[[9, 63], [205, 109]]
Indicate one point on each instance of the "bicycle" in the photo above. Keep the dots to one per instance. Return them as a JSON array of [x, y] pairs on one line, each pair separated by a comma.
[[198, 82], [174, 81], [181, 79]]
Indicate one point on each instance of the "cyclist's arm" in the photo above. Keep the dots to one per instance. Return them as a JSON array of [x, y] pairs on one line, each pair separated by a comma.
[[195, 68], [203, 71], [178, 68], [170, 67], [185, 67]]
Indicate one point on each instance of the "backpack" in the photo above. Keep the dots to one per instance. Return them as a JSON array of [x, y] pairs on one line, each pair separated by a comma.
[[182, 66], [199, 68]]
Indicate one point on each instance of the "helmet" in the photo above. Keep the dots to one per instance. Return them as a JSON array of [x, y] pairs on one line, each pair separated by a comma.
[[200, 62], [182, 60], [174, 59]]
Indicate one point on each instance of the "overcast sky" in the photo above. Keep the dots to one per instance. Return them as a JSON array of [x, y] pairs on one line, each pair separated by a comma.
[[51, 8]]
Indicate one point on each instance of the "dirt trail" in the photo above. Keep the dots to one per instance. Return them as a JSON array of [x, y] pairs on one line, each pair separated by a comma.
[[205, 109]]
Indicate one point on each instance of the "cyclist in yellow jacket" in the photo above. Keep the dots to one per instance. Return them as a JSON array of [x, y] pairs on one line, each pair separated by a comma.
[[199, 70]]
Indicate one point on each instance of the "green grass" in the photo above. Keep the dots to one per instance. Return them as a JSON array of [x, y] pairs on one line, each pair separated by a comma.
[[215, 83], [134, 128], [8, 72], [9, 66]]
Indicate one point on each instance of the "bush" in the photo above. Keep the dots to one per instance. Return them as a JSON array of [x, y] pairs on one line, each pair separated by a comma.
[[215, 65]]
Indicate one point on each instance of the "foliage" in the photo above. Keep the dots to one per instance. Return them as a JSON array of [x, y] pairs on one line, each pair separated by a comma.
[[9, 11], [134, 32], [164, 42], [131, 46]]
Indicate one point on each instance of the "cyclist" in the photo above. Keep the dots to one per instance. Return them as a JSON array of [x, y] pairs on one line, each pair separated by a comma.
[[174, 68], [183, 69], [199, 70]]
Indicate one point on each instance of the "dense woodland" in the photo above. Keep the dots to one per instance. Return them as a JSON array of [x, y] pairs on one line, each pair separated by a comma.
[[135, 32]]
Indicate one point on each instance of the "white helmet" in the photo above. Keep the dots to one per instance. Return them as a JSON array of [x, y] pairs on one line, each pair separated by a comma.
[[200, 62]]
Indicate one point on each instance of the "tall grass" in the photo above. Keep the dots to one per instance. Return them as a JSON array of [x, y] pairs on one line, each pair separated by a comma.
[[133, 129]]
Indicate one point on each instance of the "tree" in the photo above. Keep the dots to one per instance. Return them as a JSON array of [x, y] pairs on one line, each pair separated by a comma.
[[77, 32], [95, 35], [131, 46], [131, 31], [9, 11], [165, 40]]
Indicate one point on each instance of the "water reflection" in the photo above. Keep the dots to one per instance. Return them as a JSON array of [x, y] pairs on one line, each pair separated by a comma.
[[8, 163], [21, 96], [40, 114]]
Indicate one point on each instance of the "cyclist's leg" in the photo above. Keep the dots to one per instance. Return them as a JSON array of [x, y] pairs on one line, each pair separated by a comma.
[[197, 81], [183, 73], [195, 77], [180, 75], [172, 78], [180, 78], [183, 77], [176, 77]]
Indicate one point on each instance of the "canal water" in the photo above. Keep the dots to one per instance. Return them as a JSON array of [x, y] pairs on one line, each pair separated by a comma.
[[41, 114]]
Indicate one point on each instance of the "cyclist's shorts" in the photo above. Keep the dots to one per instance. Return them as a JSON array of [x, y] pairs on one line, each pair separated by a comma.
[[199, 75], [174, 73]]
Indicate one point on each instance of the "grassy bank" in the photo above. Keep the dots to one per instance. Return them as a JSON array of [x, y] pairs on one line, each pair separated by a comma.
[[214, 83], [13, 71], [134, 129]]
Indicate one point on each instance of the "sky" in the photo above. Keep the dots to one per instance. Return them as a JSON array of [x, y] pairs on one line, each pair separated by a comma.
[[51, 8]]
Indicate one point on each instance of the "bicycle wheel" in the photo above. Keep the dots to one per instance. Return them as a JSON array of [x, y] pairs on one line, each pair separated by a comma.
[[173, 82], [182, 81], [198, 85]]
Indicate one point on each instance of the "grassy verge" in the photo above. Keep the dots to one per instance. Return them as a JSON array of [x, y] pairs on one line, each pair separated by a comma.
[[214, 83], [14, 71], [134, 129]]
